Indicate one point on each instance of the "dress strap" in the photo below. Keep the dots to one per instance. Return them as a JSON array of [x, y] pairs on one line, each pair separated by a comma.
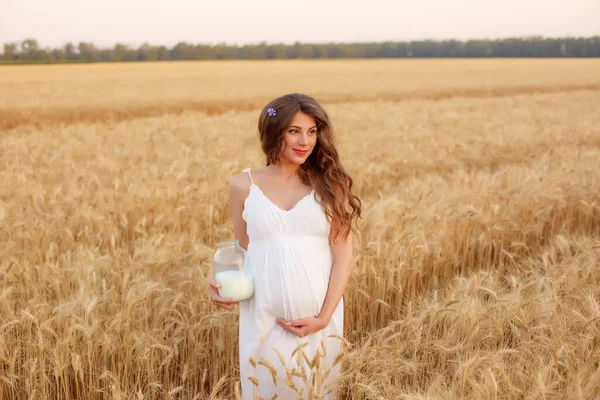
[[249, 174]]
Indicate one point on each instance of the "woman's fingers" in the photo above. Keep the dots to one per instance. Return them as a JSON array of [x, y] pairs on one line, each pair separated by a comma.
[[217, 299], [299, 331], [228, 306], [213, 286], [299, 322]]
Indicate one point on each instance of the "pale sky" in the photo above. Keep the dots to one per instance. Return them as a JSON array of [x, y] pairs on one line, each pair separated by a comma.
[[105, 22]]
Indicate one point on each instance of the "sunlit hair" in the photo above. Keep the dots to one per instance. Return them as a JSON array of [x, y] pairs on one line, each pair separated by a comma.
[[323, 169]]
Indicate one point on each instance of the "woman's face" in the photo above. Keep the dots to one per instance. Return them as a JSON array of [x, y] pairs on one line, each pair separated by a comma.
[[300, 138]]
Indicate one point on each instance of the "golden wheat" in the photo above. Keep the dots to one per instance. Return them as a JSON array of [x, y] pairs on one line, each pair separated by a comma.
[[476, 264], [57, 95]]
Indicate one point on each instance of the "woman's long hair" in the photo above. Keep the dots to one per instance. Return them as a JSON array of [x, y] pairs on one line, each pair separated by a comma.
[[323, 169]]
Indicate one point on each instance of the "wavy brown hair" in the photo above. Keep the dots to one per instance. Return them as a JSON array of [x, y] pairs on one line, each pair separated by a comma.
[[323, 169]]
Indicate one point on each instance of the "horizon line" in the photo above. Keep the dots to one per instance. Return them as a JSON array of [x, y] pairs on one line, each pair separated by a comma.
[[264, 42]]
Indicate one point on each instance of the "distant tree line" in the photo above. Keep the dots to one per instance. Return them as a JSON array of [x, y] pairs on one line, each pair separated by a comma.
[[30, 51]]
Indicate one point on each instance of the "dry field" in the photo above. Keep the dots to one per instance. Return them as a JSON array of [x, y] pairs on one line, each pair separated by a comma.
[[476, 265]]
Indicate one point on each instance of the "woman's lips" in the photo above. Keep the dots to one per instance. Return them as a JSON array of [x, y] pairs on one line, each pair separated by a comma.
[[301, 152]]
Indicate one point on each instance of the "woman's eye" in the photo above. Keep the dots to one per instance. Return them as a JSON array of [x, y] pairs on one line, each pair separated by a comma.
[[297, 131]]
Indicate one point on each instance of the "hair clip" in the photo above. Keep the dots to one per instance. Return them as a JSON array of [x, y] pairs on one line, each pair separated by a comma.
[[272, 112]]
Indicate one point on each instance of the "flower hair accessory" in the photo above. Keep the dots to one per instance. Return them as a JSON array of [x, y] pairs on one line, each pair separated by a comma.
[[272, 112]]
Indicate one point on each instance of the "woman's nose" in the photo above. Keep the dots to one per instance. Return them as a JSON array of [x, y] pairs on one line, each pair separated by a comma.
[[303, 139]]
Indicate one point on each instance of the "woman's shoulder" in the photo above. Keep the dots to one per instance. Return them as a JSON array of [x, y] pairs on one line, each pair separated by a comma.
[[239, 186], [255, 171], [251, 173], [241, 181]]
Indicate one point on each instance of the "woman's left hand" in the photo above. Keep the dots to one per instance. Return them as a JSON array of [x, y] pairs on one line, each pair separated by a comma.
[[304, 326]]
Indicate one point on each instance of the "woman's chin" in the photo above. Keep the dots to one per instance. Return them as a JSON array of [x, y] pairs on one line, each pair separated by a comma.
[[297, 159], [301, 159]]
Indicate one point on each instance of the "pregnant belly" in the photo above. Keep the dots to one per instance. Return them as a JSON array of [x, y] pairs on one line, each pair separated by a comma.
[[291, 282]]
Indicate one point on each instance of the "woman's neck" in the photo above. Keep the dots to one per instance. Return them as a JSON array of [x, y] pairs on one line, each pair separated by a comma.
[[286, 170]]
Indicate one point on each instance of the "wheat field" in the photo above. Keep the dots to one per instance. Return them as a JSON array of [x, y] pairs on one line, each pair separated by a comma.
[[476, 264]]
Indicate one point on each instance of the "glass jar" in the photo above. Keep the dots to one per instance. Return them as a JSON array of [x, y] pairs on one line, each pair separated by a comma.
[[229, 272]]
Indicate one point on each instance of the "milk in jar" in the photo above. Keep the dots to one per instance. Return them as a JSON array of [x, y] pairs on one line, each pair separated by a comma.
[[229, 272]]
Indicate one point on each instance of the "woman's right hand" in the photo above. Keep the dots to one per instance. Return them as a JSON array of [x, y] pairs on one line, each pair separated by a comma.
[[213, 285]]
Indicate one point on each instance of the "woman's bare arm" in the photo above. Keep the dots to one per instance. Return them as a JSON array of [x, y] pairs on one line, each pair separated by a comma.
[[239, 188], [340, 273]]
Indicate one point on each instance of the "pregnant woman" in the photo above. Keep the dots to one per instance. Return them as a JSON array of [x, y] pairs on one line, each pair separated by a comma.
[[294, 218]]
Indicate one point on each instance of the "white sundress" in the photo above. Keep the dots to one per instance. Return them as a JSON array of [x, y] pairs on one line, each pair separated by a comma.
[[290, 259]]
